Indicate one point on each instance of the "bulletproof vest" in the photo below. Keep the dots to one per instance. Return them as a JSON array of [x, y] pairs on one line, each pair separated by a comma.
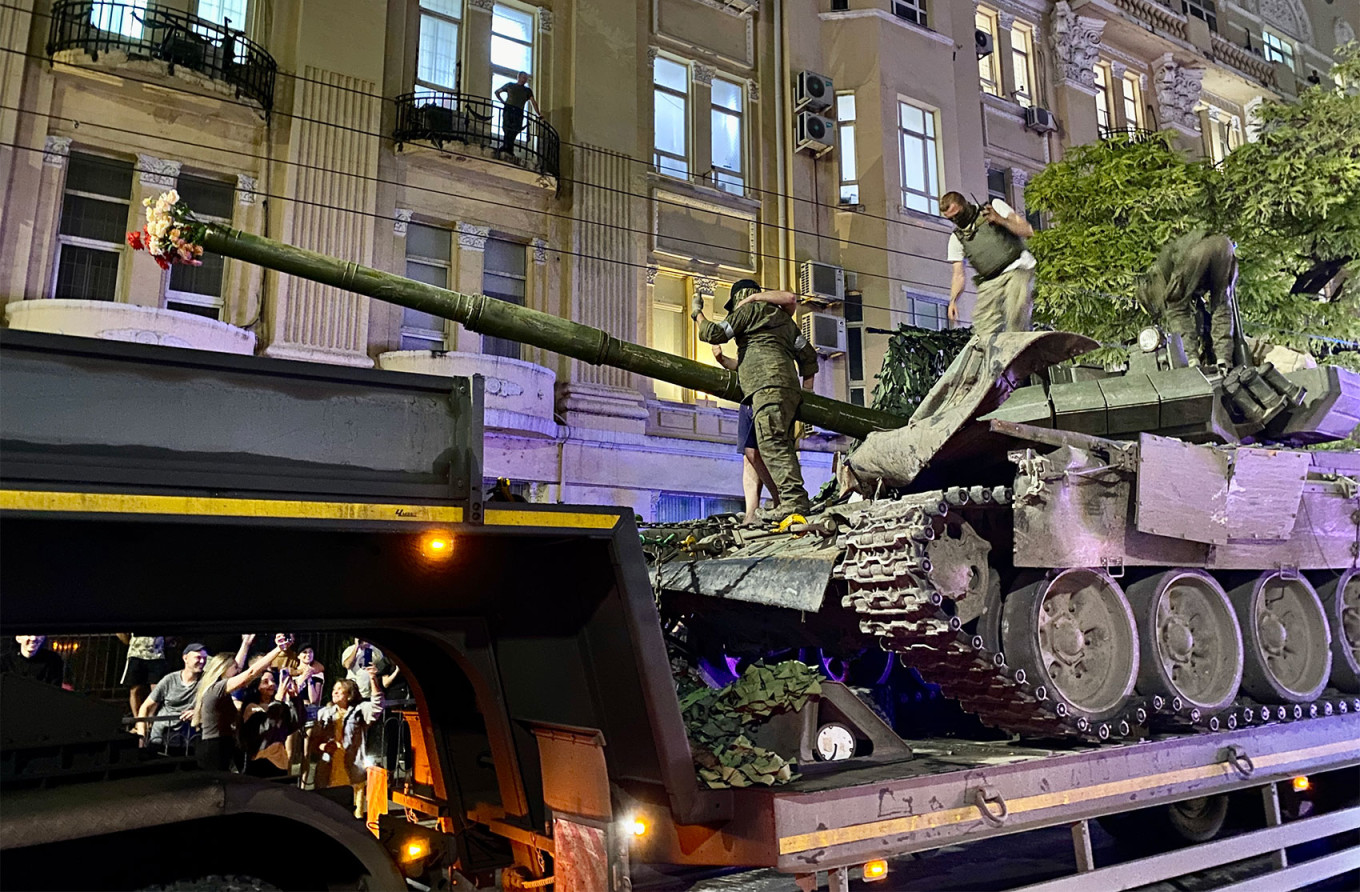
[[988, 247]]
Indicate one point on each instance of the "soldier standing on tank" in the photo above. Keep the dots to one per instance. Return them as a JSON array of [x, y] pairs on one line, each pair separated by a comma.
[[1196, 264], [769, 344], [992, 239]]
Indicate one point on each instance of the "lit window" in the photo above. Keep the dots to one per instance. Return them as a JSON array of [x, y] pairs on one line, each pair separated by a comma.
[[1222, 132], [845, 124], [924, 311], [512, 45], [913, 11], [670, 112], [920, 158], [677, 507], [1202, 9], [428, 255], [230, 14], [123, 18], [1133, 104], [198, 289], [1104, 116], [94, 222], [1022, 57], [674, 333], [504, 277], [726, 120], [437, 55], [989, 67], [1277, 48]]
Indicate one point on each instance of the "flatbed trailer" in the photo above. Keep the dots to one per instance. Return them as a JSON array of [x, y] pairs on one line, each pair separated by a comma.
[[145, 486]]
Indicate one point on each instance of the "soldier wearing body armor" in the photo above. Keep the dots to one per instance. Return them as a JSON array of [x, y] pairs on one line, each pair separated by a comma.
[[1196, 264], [769, 348], [992, 239]]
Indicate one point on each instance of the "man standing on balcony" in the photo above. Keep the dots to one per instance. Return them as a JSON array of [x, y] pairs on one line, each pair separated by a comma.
[[513, 97], [769, 345], [992, 239]]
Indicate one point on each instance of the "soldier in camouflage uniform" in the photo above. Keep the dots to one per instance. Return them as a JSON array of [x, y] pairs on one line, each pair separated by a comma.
[[1198, 263], [769, 344]]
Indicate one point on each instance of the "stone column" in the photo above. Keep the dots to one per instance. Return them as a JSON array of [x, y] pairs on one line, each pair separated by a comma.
[[335, 157], [145, 281], [1178, 93], [1076, 44], [1019, 178], [1117, 114], [701, 94]]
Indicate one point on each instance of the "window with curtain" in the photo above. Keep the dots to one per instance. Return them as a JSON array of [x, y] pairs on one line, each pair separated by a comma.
[[429, 253], [920, 158], [670, 112], [504, 277], [94, 224], [437, 52], [845, 127], [989, 67], [726, 136]]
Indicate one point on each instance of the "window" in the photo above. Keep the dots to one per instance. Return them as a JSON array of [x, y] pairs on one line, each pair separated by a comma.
[[1222, 132], [428, 255], [996, 185], [1133, 103], [1202, 9], [123, 18], [989, 67], [673, 332], [845, 125], [913, 11], [504, 275], [854, 345], [512, 45], [677, 507], [726, 136], [94, 223], [1022, 58], [227, 13], [920, 158], [198, 289], [1104, 116], [1277, 48], [437, 53], [670, 112], [924, 311]]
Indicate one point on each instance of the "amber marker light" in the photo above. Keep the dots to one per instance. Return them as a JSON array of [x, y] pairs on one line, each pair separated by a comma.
[[637, 827], [875, 870], [436, 545], [416, 848], [1302, 784]]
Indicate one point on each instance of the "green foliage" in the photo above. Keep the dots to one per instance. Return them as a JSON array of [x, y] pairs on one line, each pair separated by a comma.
[[718, 722], [1289, 200], [914, 361]]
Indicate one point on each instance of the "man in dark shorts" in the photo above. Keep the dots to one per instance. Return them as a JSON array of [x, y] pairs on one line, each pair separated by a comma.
[[514, 96], [144, 668], [754, 474]]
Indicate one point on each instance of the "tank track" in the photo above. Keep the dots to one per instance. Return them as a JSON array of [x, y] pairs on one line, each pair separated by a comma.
[[888, 577]]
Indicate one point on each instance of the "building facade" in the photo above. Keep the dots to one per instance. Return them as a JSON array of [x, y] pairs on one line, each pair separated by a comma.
[[674, 147]]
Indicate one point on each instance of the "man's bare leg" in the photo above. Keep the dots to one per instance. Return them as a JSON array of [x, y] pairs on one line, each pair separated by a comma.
[[750, 485], [757, 464]]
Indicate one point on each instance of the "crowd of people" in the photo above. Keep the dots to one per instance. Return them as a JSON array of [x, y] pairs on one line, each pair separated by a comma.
[[268, 715]]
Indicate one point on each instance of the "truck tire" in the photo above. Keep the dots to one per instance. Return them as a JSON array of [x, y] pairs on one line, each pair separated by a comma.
[[215, 883], [1179, 823]]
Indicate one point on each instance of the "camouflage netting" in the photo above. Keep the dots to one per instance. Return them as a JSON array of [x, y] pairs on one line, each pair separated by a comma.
[[719, 722], [915, 360]]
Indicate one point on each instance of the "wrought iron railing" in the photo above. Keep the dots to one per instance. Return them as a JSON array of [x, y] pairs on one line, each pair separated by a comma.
[[176, 38], [1131, 134], [441, 117]]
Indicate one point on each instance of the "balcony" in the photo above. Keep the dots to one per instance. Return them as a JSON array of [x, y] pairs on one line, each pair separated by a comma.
[[178, 41], [440, 118], [1132, 134], [126, 322]]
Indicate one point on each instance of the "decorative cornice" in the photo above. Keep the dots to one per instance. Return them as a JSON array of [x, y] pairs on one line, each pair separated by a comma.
[[1076, 39], [545, 21], [702, 74], [1020, 177], [1005, 21], [705, 285], [651, 274], [540, 251], [1289, 16], [56, 150], [1178, 92], [1117, 70], [472, 237], [753, 90], [1343, 32], [158, 172], [401, 219], [245, 189], [651, 56], [487, 5]]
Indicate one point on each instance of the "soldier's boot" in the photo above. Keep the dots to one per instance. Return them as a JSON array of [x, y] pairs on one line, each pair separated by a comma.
[[777, 513]]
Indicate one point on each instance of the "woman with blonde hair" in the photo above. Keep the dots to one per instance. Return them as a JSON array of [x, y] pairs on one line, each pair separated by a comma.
[[215, 712], [338, 736]]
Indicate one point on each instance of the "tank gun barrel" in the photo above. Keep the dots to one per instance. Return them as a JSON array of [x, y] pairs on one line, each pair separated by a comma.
[[486, 315]]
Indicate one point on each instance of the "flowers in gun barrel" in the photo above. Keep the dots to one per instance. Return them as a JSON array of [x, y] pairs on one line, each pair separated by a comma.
[[171, 234]]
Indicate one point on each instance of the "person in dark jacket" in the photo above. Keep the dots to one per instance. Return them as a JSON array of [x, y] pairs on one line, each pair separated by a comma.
[[34, 660], [1197, 264]]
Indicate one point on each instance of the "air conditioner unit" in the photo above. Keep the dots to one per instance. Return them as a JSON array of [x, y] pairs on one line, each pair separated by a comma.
[[821, 281], [983, 41], [815, 133], [1040, 119], [814, 92], [826, 333]]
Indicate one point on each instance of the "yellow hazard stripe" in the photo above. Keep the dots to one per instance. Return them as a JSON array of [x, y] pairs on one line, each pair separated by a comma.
[[802, 842], [289, 509]]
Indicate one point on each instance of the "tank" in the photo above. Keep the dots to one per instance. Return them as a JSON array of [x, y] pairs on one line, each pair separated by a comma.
[[1092, 558]]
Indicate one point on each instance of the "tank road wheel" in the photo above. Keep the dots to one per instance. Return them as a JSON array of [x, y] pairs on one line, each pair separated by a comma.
[[1287, 655], [1189, 643], [1341, 598], [1074, 634]]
